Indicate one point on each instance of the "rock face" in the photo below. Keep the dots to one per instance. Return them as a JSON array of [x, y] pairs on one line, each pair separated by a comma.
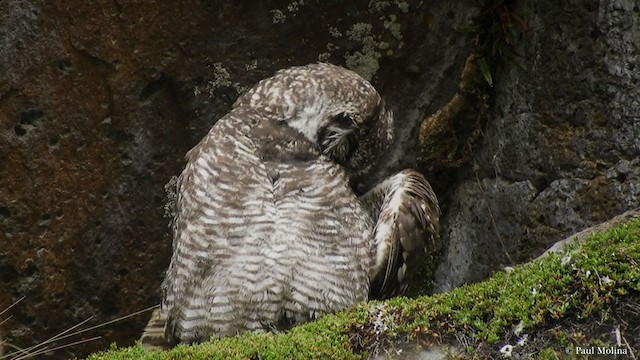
[[561, 152], [99, 101]]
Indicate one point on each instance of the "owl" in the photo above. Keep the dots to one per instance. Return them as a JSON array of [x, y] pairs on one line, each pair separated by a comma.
[[270, 230]]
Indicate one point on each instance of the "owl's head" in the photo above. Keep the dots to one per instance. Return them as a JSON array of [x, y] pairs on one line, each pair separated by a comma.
[[334, 108]]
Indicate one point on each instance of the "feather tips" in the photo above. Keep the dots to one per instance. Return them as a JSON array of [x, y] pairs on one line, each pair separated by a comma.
[[407, 227]]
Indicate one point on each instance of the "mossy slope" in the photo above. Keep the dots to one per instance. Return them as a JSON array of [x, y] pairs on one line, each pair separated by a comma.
[[576, 285]]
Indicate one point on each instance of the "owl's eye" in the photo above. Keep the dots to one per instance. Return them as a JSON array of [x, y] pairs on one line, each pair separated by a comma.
[[338, 140]]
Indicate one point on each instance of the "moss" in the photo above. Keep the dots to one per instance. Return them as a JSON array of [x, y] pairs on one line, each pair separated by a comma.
[[423, 281], [571, 286], [548, 354], [498, 29], [448, 137]]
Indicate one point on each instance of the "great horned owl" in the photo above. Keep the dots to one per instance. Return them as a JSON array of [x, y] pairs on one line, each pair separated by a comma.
[[269, 230]]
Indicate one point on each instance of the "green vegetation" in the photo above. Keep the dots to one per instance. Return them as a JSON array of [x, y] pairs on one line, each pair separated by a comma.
[[498, 27], [537, 298]]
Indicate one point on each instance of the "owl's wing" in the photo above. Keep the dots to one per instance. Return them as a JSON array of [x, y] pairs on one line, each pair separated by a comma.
[[407, 217], [191, 182], [210, 190]]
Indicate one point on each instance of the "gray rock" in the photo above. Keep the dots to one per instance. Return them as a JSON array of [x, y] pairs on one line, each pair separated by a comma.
[[579, 237], [568, 125]]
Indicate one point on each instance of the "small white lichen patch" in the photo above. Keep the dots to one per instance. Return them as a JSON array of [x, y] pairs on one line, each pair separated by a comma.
[[605, 280], [360, 32], [324, 56], [294, 6], [523, 340], [380, 319], [378, 5], [393, 26], [221, 78], [506, 351], [402, 5], [518, 328], [278, 16], [335, 32], [250, 66], [171, 192]]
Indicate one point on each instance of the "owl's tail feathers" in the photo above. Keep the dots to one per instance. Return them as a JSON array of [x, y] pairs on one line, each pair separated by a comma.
[[154, 336]]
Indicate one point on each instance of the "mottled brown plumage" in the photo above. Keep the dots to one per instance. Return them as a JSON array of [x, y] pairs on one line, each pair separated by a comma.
[[268, 232]]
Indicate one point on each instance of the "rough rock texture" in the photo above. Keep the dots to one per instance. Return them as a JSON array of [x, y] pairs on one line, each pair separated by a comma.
[[99, 100], [581, 236], [561, 153]]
